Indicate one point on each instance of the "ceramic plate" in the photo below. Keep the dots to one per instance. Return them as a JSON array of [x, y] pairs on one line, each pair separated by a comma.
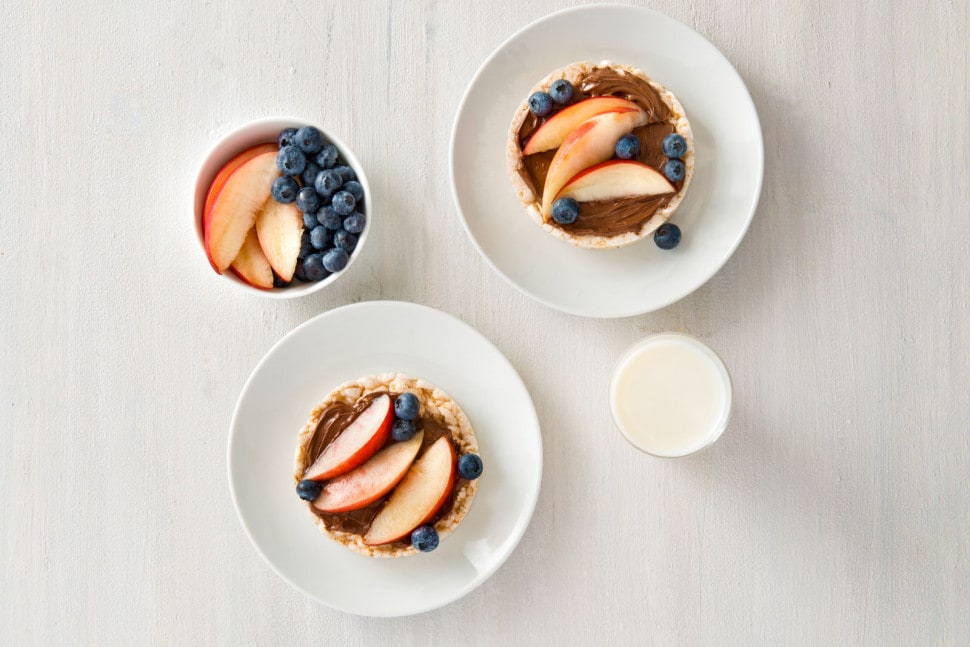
[[348, 343], [716, 210]]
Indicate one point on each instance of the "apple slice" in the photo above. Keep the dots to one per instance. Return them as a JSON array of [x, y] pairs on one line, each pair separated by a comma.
[[235, 208], [418, 497], [616, 179], [372, 480], [251, 265], [279, 228], [358, 442], [591, 142], [226, 171], [554, 131]]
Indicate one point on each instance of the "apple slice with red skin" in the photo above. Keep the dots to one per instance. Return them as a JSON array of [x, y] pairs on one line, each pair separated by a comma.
[[367, 483], [236, 207], [554, 131], [591, 142], [616, 179], [279, 228], [251, 265], [358, 442], [417, 498]]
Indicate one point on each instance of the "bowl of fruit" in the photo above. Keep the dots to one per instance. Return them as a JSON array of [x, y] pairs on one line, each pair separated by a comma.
[[282, 208]]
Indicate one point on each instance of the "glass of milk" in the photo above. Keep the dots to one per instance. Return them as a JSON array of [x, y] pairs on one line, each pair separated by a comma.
[[670, 395]]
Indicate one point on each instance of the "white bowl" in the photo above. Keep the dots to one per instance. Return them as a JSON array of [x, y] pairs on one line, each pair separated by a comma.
[[264, 131]]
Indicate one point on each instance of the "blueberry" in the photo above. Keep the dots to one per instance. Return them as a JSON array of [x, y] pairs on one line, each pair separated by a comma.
[[327, 183], [306, 247], [674, 146], [628, 147], [308, 490], [335, 259], [402, 430], [345, 240], [315, 267], [667, 236], [309, 174], [284, 189], [309, 220], [278, 282], [424, 538], [286, 138], [290, 160], [561, 91], [330, 218], [406, 406], [327, 156], [343, 203], [346, 173], [565, 211], [354, 223], [674, 170], [299, 273], [540, 104], [470, 466], [355, 188], [309, 139], [308, 200], [320, 238]]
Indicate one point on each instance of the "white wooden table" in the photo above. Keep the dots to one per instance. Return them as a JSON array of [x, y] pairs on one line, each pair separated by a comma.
[[835, 509]]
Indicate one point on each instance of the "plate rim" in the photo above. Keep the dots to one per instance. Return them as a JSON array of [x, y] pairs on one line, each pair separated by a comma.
[[518, 530], [637, 310]]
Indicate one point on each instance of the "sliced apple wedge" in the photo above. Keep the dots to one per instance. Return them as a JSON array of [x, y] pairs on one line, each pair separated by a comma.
[[591, 142], [251, 265], [367, 483], [226, 172], [358, 442], [418, 497], [235, 208], [279, 228], [554, 131], [616, 179]]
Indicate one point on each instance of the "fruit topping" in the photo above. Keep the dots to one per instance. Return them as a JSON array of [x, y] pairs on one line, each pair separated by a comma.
[[345, 240], [251, 265], [327, 156], [402, 429], [565, 211], [561, 91], [286, 138], [335, 259], [284, 189], [308, 200], [667, 236], [406, 406], [358, 442], [674, 170], [470, 466], [424, 538], [354, 223], [674, 146], [616, 179], [628, 147], [540, 104], [308, 490], [309, 139], [327, 183], [313, 269], [553, 132], [343, 202], [290, 161]]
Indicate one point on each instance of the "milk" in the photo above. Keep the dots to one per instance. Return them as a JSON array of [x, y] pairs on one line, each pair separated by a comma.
[[670, 395]]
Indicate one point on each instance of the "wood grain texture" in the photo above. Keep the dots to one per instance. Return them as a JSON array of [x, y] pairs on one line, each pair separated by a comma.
[[833, 511]]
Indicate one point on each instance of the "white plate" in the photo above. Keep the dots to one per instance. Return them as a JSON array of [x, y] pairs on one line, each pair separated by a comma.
[[345, 344], [716, 210]]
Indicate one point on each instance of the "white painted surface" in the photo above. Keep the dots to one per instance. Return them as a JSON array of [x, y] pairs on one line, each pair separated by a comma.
[[835, 508]]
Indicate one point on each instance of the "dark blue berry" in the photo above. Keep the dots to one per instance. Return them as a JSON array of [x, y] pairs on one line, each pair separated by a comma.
[[424, 538], [309, 220], [327, 156], [470, 466], [628, 147], [330, 218], [674, 146], [308, 200], [565, 211], [320, 237], [354, 223], [327, 183], [402, 430], [290, 161], [278, 282], [306, 247], [346, 173], [540, 104], [315, 268], [284, 189], [309, 139], [286, 138], [355, 188], [406, 406], [299, 272], [674, 170], [343, 203], [667, 236], [561, 91], [345, 240], [308, 490], [309, 174], [335, 259]]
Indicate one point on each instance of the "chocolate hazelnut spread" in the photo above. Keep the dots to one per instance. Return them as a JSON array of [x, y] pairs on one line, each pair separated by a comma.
[[337, 417], [609, 217]]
